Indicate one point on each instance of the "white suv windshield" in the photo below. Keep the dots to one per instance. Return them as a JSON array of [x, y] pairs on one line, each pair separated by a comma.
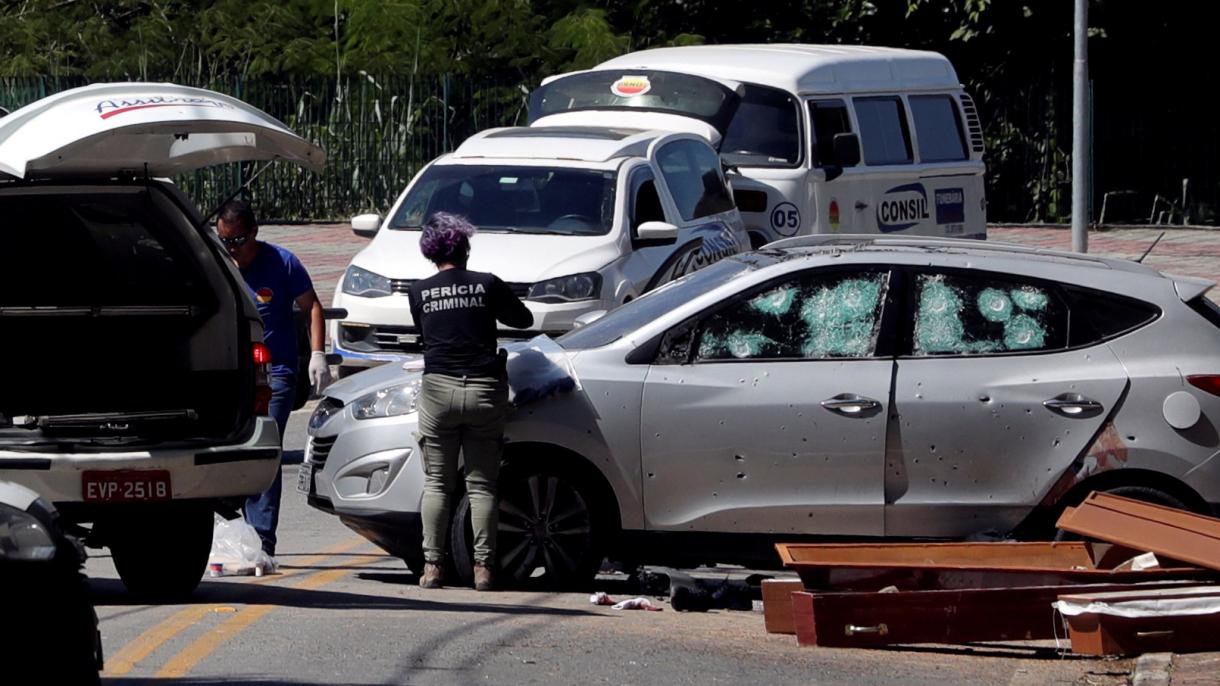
[[565, 201]]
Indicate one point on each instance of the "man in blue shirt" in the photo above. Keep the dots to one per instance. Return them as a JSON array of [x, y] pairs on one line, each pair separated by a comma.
[[276, 279]]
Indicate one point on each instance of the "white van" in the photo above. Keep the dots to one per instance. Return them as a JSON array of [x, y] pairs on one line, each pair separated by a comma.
[[826, 138], [574, 219]]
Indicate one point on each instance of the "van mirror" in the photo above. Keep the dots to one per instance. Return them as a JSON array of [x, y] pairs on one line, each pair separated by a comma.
[[588, 318], [366, 225], [847, 149], [657, 233]]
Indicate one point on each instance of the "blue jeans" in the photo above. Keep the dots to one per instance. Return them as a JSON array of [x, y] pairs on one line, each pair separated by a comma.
[[263, 510]]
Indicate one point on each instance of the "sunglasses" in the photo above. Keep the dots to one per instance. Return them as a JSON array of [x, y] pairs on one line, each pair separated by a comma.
[[235, 242]]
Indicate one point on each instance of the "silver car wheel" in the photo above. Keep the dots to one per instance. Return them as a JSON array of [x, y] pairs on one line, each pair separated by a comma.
[[544, 522]]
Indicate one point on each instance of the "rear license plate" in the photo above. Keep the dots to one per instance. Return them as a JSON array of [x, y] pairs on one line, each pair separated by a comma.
[[305, 478], [128, 485]]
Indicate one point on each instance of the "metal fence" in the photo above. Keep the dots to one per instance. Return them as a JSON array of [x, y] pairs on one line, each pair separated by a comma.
[[377, 134]]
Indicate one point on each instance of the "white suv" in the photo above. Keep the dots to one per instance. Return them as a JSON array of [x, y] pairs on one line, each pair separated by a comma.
[[575, 219], [139, 401]]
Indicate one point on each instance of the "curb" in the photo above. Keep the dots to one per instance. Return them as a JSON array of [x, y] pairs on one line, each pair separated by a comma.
[[1152, 669]]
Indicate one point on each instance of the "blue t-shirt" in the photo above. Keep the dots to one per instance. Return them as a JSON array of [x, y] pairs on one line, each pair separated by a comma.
[[276, 278]]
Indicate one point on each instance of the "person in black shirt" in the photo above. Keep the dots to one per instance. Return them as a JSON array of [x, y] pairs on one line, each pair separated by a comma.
[[463, 401]]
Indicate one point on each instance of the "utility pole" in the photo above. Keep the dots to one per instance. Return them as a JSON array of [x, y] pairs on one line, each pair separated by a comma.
[[1080, 130]]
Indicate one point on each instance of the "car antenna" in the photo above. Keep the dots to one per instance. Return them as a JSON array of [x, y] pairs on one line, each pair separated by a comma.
[[207, 218], [1158, 240]]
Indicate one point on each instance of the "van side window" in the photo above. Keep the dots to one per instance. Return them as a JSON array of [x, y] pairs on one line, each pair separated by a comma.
[[938, 126], [764, 131], [829, 117], [645, 203], [883, 131], [693, 175]]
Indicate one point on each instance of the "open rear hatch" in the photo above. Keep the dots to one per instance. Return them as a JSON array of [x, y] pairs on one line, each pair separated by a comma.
[[120, 323]]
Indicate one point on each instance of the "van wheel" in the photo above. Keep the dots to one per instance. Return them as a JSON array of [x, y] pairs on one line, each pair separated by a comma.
[[548, 535], [161, 553], [1142, 493]]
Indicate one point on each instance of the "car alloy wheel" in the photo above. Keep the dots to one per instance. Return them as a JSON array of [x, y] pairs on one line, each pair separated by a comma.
[[544, 521]]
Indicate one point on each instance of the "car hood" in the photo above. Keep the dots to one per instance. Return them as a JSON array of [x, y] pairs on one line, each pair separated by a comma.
[[144, 129], [537, 368], [514, 257]]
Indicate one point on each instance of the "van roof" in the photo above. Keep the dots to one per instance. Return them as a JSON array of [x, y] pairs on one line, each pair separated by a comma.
[[802, 69], [585, 143]]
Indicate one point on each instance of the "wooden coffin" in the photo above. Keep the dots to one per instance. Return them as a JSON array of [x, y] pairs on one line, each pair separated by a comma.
[[943, 566], [1171, 630], [777, 604], [1163, 530], [862, 620]]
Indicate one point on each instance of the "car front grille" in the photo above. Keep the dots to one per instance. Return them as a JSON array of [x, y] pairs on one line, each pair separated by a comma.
[[319, 448]]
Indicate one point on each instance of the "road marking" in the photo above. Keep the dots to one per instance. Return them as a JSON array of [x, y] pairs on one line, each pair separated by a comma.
[[139, 648], [182, 663]]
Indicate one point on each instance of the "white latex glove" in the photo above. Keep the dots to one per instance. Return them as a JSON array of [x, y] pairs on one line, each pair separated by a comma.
[[319, 371]]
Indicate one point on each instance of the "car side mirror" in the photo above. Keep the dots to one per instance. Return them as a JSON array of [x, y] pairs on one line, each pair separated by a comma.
[[656, 233], [366, 225], [588, 318], [847, 149]]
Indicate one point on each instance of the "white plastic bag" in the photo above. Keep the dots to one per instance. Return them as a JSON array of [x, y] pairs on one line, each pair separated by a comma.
[[237, 550]]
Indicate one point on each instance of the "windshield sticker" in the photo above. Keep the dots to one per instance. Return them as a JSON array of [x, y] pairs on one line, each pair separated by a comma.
[[786, 219], [902, 207], [109, 108], [630, 86]]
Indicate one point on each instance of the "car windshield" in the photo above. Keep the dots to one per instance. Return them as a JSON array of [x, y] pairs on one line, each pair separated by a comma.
[[573, 202], [657, 303]]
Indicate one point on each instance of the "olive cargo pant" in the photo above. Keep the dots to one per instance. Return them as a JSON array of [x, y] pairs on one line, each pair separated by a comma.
[[461, 415]]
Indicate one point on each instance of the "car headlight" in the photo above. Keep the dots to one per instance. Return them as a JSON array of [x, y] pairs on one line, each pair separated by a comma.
[[327, 408], [364, 283], [387, 402], [567, 288], [23, 537]]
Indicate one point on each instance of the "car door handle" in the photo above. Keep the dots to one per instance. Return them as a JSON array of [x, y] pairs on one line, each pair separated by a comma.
[[850, 404], [1073, 405]]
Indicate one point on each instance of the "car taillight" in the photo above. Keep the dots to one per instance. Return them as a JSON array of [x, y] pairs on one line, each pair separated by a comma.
[[262, 379], [1206, 382]]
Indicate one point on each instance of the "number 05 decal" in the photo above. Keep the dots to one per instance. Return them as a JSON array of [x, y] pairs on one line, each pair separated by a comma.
[[786, 219]]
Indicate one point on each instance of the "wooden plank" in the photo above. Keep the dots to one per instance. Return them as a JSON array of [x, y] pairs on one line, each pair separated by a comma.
[[861, 620], [941, 566], [777, 604], [1166, 531]]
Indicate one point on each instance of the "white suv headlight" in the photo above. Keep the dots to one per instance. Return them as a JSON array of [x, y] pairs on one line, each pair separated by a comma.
[[23, 537], [586, 286], [388, 402], [364, 283]]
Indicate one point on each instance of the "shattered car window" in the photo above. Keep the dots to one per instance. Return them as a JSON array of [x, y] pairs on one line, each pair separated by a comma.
[[810, 318], [971, 316]]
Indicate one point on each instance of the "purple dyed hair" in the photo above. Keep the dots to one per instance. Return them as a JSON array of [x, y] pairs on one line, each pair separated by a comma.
[[446, 238]]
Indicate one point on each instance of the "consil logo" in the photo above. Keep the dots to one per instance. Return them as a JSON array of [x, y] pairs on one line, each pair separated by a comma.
[[902, 207]]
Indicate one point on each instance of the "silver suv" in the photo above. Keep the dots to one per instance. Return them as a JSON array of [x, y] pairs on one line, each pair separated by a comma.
[[844, 386], [136, 392]]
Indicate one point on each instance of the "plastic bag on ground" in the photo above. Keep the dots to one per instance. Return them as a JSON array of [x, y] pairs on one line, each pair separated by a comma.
[[237, 550]]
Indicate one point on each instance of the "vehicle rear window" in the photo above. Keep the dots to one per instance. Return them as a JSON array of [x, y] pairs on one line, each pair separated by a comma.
[[764, 131], [938, 128], [642, 89], [693, 175], [883, 131], [978, 314], [1098, 316], [105, 249]]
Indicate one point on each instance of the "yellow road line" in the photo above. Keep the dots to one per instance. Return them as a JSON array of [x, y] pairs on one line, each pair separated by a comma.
[[136, 650], [182, 663]]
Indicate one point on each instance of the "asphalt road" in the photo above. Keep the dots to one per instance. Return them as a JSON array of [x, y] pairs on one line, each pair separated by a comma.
[[342, 612]]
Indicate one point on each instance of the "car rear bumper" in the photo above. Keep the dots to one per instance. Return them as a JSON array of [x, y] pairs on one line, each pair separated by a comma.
[[212, 472]]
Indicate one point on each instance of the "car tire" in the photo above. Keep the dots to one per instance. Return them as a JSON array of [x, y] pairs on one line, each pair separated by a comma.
[[161, 554], [1145, 494], [548, 522]]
